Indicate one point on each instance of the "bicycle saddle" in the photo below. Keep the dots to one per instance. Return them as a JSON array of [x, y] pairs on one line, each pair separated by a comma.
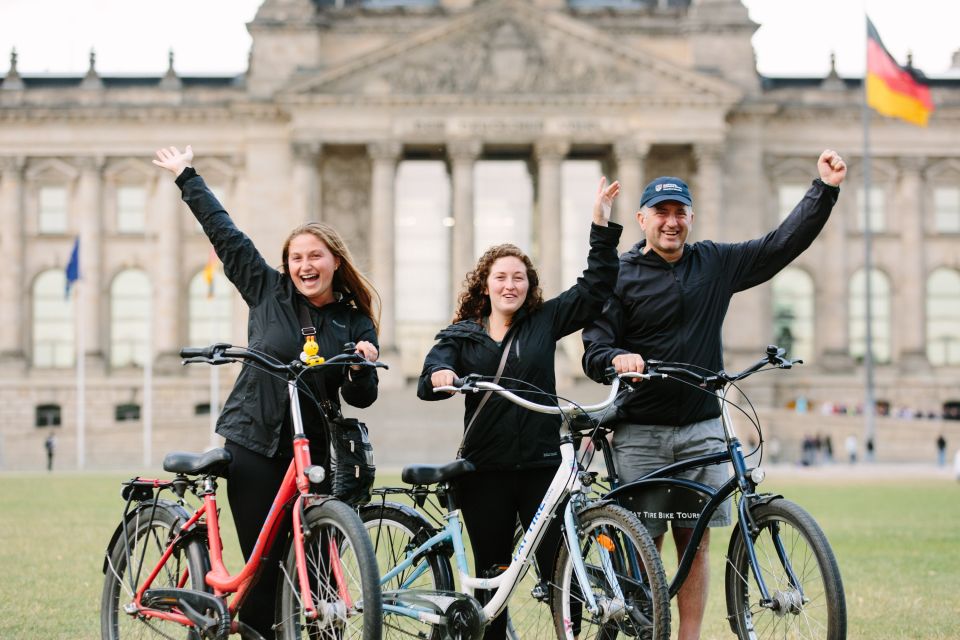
[[433, 473], [213, 462]]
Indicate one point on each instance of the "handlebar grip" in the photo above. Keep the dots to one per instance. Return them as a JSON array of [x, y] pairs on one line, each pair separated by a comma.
[[193, 352]]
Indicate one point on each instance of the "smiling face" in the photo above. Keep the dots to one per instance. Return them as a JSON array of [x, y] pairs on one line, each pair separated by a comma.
[[311, 265], [507, 286], [666, 225]]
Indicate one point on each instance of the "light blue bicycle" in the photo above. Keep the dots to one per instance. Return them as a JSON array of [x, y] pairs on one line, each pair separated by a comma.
[[608, 579]]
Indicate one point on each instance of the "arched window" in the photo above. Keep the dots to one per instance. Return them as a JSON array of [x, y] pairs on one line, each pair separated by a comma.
[[423, 223], [793, 312], [53, 332], [210, 311], [879, 311], [129, 318], [943, 317]]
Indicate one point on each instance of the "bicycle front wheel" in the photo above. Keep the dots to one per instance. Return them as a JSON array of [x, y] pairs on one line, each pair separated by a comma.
[[529, 610], [395, 534], [131, 558], [625, 576], [806, 600], [343, 576]]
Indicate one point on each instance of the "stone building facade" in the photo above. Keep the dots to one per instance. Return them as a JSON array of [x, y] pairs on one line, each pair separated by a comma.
[[424, 130]]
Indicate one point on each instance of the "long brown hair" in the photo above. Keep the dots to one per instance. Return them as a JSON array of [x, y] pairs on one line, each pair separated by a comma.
[[474, 304], [347, 279]]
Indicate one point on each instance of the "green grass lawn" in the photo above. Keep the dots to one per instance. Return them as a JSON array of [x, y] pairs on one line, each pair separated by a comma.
[[897, 543]]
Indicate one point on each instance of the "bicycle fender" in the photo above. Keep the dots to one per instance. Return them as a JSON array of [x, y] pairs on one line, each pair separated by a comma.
[[143, 506], [427, 530]]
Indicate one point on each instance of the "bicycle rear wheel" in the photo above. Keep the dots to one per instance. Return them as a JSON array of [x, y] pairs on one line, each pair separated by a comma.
[[813, 606], [395, 533], [343, 575], [612, 538], [132, 557]]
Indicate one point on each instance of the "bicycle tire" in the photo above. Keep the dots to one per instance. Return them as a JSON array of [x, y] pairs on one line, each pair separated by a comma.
[[394, 532], [530, 609], [634, 557], [357, 617], [146, 540], [819, 613]]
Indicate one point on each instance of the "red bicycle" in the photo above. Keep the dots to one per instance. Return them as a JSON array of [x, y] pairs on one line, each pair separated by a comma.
[[164, 569]]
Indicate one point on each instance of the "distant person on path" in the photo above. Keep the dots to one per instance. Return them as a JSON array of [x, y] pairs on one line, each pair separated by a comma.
[[941, 450], [51, 446], [869, 448], [851, 446]]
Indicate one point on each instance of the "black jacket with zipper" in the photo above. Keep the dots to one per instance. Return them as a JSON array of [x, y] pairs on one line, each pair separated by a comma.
[[257, 411], [506, 436], [675, 311]]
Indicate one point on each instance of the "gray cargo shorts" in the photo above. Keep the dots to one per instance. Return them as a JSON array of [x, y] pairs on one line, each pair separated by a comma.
[[641, 448]]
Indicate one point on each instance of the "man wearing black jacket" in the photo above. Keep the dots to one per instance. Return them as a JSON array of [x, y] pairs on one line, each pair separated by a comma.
[[669, 304]]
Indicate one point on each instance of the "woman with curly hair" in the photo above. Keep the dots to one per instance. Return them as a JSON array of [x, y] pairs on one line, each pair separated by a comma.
[[501, 314]]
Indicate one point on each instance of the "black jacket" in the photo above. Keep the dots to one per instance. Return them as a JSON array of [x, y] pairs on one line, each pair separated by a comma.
[[257, 411], [665, 311], [506, 436]]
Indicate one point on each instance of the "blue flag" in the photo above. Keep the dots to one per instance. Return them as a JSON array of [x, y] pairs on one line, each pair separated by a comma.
[[73, 267]]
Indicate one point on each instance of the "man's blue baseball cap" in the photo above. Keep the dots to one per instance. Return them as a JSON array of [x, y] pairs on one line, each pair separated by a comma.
[[666, 188]]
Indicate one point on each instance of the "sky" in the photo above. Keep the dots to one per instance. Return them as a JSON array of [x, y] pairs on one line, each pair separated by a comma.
[[209, 37]]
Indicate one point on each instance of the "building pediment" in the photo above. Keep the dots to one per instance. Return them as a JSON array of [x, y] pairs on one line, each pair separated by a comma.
[[511, 50]]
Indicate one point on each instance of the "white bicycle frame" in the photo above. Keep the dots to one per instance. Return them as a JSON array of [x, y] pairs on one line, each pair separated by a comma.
[[565, 482]]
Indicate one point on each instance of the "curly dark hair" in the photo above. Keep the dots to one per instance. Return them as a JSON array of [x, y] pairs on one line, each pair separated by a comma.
[[474, 304]]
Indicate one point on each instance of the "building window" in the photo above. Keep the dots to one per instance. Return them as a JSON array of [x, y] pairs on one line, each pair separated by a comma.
[[503, 205], [793, 311], [47, 415], [788, 196], [946, 209], [879, 311], [423, 219], [129, 318], [210, 309], [53, 333], [52, 210], [943, 317], [131, 209], [878, 204], [125, 412]]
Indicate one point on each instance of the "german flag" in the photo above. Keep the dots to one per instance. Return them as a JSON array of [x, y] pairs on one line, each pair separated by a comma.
[[895, 91]]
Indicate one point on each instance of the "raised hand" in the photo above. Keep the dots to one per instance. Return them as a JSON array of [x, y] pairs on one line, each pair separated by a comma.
[[832, 168], [174, 160], [604, 202]]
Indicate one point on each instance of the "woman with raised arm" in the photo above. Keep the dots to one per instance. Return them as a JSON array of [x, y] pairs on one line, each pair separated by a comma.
[[317, 284], [502, 318]]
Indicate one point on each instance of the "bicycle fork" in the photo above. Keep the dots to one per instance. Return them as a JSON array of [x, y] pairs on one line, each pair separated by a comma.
[[746, 525], [571, 531]]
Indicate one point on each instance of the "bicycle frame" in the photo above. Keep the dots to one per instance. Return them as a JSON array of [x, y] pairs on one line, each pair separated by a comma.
[[566, 482], [741, 480]]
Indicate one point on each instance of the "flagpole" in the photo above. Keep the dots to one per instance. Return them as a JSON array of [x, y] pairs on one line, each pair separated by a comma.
[[81, 376], [146, 414], [869, 408]]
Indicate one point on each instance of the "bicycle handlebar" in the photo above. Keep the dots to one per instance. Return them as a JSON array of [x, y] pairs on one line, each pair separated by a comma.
[[716, 380], [472, 384], [223, 353]]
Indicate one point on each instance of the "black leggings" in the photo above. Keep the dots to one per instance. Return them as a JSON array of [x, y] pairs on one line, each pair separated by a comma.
[[253, 483], [491, 501]]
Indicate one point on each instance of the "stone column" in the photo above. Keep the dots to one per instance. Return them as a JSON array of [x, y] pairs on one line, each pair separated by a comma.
[[170, 292], [709, 194], [463, 155], [910, 298], [12, 299], [306, 181], [831, 344], [94, 298], [549, 155], [629, 155], [384, 155]]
